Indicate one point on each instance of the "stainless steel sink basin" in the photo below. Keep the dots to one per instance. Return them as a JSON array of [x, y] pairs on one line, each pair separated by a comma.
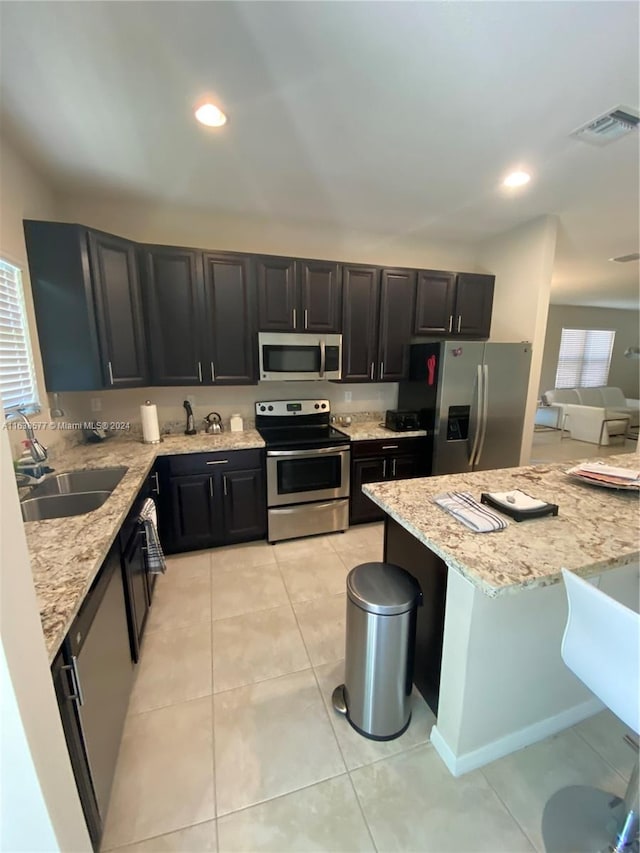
[[60, 506], [73, 482]]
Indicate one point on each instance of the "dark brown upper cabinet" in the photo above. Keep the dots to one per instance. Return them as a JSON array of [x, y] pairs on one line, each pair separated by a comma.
[[455, 304], [173, 298], [298, 295], [86, 293], [378, 317], [200, 314], [229, 330]]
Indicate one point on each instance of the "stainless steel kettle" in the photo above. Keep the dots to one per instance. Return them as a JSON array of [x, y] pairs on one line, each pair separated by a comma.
[[214, 423]]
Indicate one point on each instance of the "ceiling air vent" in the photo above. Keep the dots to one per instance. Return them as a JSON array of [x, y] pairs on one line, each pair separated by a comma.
[[608, 127], [624, 259]]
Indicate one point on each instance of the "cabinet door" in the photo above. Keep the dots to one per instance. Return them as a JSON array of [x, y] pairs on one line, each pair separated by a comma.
[[435, 299], [173, 300], [229, 326], [244, 505], [196, 521], [410, 465], [321, 296], [474, 303], [277, 294], [397, 296], [360, 323], [118, 305], [363, 471], [136, 590]]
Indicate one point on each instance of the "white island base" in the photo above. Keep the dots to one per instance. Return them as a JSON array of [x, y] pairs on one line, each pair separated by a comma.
[[503, 684]]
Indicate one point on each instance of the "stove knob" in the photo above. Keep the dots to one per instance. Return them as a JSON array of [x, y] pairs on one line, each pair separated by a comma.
[[323, 406], [317, 406], [262, 408], [270, 408]]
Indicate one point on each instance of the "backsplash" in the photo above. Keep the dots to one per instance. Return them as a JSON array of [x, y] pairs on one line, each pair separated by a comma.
[[122, 407]]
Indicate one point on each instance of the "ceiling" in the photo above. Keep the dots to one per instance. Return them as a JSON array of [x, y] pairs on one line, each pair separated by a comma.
[[389, 117]]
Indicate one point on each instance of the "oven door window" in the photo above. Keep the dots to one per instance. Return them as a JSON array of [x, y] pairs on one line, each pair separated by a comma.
[[309, 475], [291, 359]]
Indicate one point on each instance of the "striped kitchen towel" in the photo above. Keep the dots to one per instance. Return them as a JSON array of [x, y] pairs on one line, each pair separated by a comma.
[[478, 517], [156, 564]]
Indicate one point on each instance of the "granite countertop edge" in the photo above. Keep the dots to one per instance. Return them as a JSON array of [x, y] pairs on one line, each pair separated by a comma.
[[66, 553]]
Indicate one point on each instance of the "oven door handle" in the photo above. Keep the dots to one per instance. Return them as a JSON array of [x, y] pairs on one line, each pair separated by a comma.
[[317, 451]]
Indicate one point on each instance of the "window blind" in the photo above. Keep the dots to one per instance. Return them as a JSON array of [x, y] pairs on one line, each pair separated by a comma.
[[17, 377], [585, 357]]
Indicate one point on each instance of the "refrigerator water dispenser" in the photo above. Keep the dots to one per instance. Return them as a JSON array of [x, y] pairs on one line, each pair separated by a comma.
[[458, 423]]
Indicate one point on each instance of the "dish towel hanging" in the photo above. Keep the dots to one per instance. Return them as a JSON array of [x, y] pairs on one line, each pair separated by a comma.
[[156, 563], [476, 516]]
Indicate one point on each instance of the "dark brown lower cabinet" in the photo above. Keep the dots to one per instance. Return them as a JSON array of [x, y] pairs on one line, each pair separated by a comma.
[[375, 461], [212, 499]]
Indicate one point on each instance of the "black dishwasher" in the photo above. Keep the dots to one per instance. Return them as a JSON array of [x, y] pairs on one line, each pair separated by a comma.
[[93, 683]]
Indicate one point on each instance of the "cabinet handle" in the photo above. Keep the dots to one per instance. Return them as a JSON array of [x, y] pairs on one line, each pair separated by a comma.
[[218, 462], [157, 479], [294, 317], [371, 371], [211, 486], [224, 484], [77, 694], [199, 371], [389, 446], [382, 370], [450, 323], [110, 373], [384, 467], [459, 323], [393, 467], [213, 373], [306, 318]]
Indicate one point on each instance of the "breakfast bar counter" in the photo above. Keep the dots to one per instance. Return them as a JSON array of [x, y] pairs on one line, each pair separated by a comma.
[[489, 634]]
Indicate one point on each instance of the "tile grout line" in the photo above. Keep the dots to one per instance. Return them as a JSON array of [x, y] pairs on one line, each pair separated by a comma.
[[509, 812], [599, 754]]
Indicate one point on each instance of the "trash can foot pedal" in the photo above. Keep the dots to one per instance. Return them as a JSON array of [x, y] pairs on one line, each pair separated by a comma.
[[338, 700]]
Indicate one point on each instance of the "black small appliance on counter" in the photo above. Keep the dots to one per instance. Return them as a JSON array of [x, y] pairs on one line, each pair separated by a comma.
[[400, 420]]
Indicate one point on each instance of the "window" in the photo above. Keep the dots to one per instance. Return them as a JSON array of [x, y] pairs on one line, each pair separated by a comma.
[[17, 377], [585, 356]]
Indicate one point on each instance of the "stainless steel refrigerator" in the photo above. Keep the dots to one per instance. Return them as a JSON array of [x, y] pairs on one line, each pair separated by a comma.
[[472, 394]]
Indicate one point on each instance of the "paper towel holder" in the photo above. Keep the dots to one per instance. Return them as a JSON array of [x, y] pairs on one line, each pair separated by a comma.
[[153, 441]]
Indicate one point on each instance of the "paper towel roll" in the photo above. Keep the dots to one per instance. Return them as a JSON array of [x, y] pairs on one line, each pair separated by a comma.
[[150, 428]]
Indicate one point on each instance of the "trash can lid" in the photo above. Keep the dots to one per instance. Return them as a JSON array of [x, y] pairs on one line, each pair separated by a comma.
[[382, 588]]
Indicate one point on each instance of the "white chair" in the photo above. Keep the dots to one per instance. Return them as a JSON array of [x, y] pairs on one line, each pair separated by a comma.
[[601, 645]]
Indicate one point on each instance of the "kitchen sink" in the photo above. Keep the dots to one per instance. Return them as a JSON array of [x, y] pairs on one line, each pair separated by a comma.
[[60, 506], [72, 482]]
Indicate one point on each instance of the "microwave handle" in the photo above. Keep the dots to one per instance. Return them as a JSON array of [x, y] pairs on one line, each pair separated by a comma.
[[323, 358]]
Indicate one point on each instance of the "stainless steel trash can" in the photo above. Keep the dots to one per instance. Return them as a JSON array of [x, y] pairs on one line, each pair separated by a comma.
[[381, 626]]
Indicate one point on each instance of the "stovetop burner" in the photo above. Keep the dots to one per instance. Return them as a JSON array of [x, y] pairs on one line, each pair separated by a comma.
[[297, 423]]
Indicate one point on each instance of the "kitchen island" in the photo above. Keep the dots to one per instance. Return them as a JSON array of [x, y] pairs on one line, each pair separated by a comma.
[[494, 605]]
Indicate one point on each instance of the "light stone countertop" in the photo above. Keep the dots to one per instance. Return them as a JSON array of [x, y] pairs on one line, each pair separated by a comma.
[[596, 529], [67, 553], [367, 430]]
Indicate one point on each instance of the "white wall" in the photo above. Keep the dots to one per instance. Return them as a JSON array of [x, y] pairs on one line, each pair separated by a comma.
[[24, 195], [40, 801], [522, 261], [624, 372]]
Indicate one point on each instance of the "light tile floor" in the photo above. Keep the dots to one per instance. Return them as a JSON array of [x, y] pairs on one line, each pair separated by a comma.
[[231, 743]]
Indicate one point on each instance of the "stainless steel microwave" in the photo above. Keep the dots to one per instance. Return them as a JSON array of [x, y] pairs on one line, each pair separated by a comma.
[[285, 356]]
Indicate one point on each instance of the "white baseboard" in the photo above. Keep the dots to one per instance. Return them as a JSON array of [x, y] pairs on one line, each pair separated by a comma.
[[468, 761]]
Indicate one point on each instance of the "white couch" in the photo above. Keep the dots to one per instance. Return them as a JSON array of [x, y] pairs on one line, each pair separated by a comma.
[[589, 414]]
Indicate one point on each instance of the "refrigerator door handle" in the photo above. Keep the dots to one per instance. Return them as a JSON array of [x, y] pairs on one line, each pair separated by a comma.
[[485, 412], [479, 399]]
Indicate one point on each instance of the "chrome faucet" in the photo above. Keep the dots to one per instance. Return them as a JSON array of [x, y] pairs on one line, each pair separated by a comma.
[[38, 451]]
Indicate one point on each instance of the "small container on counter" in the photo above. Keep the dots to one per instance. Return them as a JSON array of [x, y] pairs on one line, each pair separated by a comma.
[[235, 423]]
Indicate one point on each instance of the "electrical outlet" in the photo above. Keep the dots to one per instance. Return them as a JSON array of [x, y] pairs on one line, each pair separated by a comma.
[[96, 404], [348, 396], [190, 399]]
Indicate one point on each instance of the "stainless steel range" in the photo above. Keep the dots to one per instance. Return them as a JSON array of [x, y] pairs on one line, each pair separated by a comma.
[[308, 465]]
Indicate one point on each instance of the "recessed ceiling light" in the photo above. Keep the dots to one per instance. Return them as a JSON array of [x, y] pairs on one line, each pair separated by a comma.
[[210, 115], [517, 179]]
